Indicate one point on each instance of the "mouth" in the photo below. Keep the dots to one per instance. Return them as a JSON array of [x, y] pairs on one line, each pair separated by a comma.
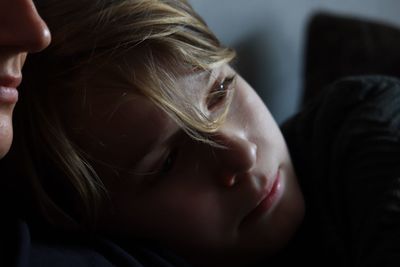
[[8, 89], [267, 201]]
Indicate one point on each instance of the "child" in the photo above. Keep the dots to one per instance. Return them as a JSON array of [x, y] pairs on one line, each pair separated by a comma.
[[144, 132]]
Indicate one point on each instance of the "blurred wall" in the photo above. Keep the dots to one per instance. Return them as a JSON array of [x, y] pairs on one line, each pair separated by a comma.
[[269, 36]]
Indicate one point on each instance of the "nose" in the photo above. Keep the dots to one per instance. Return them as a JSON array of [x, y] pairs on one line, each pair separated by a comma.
[[21, 27], [237, 156]]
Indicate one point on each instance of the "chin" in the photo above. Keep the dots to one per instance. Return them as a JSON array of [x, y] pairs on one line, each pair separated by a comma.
[[268, 238], [6, 135], [5, 144], [4, 148]]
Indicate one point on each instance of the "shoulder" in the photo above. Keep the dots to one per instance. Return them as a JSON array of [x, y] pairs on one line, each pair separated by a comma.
[[375, 96], [366, 106], [22, 246], [14, 242], [63, 249], [346, 149]]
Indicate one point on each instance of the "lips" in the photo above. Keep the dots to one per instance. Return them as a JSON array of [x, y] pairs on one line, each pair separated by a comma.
[[8, 89], [8, 95], [267, 200]]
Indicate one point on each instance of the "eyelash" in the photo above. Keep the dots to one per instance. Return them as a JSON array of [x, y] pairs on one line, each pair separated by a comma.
[[219, 92], [170, 156], [168, 162]]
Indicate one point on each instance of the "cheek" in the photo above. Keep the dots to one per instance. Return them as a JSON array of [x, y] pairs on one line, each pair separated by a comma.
[[22, 59], [179, 212], [250, 111], [188, 212]]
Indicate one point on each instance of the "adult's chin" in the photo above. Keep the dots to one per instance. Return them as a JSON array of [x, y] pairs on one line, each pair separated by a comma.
[[6, 131]]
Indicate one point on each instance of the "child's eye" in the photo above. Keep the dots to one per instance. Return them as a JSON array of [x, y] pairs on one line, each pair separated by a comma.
[[169, 161], [219, 92]]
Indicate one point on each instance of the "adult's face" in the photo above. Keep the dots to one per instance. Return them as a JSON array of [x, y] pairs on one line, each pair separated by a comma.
[[22, 31]]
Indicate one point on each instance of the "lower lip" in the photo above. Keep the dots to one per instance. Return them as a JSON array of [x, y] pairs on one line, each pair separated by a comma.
[[268, 202], [8, 95]]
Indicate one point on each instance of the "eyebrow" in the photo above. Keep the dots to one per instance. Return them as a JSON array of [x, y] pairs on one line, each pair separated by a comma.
[[210, 77], [213, 73]]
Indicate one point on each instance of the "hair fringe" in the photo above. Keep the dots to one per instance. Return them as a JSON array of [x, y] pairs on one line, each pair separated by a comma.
[[90, 34]]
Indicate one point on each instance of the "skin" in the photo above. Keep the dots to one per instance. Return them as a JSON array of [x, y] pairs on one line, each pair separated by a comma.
[[22, 31], [199, 204]]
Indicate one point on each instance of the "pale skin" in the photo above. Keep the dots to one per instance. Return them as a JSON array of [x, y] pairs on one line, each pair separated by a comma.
[[22, 31], [201, 201]]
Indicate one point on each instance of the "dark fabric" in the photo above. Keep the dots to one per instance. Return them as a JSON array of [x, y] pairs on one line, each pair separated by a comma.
[[345, 148], [338, 46], [21, 246]]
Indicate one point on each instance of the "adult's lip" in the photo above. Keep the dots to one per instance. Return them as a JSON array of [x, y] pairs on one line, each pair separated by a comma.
[[266, 199], [10, 81], [8, 89]]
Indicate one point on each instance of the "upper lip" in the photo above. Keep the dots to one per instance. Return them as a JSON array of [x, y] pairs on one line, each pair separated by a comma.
[[268, 188], [10, 81], [262, 195]]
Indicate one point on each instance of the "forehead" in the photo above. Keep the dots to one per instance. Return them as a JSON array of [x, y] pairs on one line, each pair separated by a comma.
[[197, 80], [144, 124], [152, 126], [121, 133], [128, 119]]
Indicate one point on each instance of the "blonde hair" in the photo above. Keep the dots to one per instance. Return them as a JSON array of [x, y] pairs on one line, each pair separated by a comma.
[[90, 34]]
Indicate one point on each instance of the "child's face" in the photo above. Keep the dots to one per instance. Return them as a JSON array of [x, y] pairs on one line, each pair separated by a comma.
[[209, 204]]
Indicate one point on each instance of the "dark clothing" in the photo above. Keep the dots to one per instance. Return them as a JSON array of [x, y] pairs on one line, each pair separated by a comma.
[[346, 151], [22, 247], [36, 243]]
